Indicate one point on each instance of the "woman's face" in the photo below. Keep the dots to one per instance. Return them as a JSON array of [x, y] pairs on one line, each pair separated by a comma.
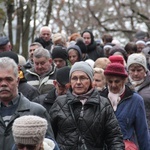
[[136, 72], [115, 83], [87, 38], [99, 81], [73, 56]]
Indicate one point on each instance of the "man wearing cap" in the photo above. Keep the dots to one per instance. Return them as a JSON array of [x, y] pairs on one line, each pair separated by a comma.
[[128, 106], [82, 119], [61, 84], [13, 104], [139, 79], [59, 56], [5, 44]]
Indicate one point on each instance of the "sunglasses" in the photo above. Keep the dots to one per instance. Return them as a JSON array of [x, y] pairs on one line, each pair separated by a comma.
[[28, 147]]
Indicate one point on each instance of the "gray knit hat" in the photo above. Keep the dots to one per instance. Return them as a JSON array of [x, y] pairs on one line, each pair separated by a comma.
[[137, 58], [82, 66], [29, 129]]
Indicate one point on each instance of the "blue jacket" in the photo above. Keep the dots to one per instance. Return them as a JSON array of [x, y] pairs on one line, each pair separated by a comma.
[[132, 118]]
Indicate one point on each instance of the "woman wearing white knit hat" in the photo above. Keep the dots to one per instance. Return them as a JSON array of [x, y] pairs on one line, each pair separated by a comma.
[[29, 134], [139, 79]]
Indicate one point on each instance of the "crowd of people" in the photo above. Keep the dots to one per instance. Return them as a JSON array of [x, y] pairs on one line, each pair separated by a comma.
[[75, 93]]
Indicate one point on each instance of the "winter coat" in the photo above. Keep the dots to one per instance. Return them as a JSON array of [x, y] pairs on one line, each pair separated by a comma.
[[46, 100], [25, 107], [95, 120], [132, 118], [144, 91], [46, 44], [26, 89], [42, 84], [94, 51]]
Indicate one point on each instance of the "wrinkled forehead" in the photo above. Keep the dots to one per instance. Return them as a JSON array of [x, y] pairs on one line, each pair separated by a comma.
[[135, 66]]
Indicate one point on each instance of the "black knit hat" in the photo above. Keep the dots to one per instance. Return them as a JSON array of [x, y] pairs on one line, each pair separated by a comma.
[[59, 52], [82, 46], [11, 55], [62, 75]]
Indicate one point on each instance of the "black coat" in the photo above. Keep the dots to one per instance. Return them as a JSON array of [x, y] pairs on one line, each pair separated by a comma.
[[95, 120], [46, 100]]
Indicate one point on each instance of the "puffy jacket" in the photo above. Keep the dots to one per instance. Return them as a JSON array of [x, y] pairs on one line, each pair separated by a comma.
[[42, 84], [25, 107], [95, 120]]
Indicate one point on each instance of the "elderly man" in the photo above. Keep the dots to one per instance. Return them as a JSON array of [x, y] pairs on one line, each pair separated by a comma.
[[82, 119], [5, 44], [14, 104], [43, 72], [45, 37]]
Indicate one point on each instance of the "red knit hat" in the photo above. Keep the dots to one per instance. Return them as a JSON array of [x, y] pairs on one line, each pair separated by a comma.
[[116, 69], [116, 59]]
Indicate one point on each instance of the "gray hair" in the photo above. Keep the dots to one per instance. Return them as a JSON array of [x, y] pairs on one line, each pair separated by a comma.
[[8, 63], [36, 43], [41, 52]]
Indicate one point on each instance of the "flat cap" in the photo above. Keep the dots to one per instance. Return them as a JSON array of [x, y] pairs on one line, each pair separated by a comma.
[[3, 40]]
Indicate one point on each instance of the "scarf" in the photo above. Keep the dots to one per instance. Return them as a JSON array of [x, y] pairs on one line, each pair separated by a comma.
[[115, 98], [83, 98]]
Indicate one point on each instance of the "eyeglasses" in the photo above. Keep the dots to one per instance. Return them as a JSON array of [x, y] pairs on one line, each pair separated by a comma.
[[29, 147], [82, 79]]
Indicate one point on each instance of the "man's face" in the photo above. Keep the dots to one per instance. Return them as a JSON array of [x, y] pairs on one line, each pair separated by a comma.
[[80, 82], [59, 62], [42, 65], [87, 38], [31, 50], [6, 47], [136, 72], [61, 90], [8, 85], [140, 46], [115, 83], [45, 35]]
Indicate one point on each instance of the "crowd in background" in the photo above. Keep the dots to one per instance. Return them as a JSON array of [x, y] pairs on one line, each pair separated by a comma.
[[93, 94]]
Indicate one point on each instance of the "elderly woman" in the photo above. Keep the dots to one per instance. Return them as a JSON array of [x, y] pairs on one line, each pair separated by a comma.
[[82, 119], [139, 79], [128, 106]]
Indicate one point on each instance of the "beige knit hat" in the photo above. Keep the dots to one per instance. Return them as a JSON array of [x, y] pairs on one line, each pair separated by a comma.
[[29, 130]]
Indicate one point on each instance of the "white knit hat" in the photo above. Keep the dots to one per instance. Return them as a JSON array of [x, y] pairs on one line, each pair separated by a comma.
[[137, 58], [29, 129]]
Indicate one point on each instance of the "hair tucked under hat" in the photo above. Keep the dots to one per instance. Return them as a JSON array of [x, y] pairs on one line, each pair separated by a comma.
[[62, 75], [116, 69], [29, 129], [137, 58], [59, 52], [82, 66], [11, 55]]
